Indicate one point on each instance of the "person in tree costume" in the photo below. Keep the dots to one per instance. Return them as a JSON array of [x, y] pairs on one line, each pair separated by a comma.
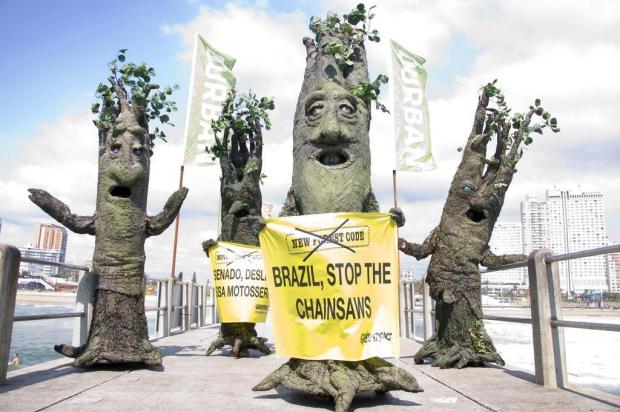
[[331, 173], [461, 241], [118, 332], [240, 151]]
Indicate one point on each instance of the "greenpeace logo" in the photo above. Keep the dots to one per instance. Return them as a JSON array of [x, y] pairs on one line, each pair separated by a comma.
[[261, 308], [376, 337]]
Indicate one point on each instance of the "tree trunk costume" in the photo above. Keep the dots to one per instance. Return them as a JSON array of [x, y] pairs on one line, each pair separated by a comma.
[[241, 164], [461, 241], [331, 173], [118, 332]]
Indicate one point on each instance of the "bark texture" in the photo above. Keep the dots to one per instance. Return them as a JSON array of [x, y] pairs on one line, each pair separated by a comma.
[[331, 173], [118, 333], [241, 164], [461, 243]]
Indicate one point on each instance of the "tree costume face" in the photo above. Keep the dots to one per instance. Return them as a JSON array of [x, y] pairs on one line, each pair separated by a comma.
[[331, 173], [118, 332], [461, 241]]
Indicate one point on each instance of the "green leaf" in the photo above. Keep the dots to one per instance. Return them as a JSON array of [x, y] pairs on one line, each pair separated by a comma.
[[537, 102]]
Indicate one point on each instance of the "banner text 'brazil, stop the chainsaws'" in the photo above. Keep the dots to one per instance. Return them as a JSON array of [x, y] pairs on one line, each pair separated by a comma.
[[333, 282], [240, 286]]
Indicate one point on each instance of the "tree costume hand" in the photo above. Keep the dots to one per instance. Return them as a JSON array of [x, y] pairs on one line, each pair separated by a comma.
[[397, 214], [208, 244], [258, 224]]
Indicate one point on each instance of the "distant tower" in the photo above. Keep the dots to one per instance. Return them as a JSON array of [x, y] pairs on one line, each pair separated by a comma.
[[506, 239], [51, 237], [569, 220]]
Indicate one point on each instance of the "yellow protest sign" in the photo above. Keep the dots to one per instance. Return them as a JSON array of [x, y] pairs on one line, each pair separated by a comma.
[[241, 292], [333, 283]]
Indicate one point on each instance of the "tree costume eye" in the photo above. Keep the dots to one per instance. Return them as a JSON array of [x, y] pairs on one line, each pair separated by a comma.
[[315, 110], [492, 200], [115, 148], [468, 190], [346, 109], [138, 151]]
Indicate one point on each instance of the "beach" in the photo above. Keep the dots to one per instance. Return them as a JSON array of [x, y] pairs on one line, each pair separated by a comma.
[[45, 298]]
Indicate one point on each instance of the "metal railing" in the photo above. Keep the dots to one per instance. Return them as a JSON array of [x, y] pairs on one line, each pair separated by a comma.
[[545, 306], [186, 304]]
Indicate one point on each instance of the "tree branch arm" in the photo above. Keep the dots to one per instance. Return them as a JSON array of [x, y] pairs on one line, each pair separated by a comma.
[[160, 222], [491, 260], [419, 251], [61, 212]]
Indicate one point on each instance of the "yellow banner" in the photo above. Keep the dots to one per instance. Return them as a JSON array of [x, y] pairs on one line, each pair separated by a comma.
[[240, 286], [333, 283]]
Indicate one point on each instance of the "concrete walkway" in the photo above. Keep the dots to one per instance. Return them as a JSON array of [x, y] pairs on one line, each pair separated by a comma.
[[189, 381]]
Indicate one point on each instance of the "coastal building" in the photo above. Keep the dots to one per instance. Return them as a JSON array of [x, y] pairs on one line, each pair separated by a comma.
[[506, 239], [614, 272], [569, 220], [37, 253], [51, 237]]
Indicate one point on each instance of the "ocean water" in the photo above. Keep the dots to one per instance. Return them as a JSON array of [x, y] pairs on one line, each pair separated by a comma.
[[591, 356], [35, 340]]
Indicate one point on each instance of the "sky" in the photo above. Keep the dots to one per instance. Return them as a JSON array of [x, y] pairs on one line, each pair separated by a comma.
[[54, 54]]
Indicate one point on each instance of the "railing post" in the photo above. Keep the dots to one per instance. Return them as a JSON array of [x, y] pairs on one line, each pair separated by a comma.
[[9, 272], [427, 310], [402, 319], [189, 300], [201, 310], [84, 301], [549, 356], [168, 314]]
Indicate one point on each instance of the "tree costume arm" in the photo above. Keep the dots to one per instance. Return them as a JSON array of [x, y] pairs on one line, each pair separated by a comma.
[[61, 212], [491, 260], [419, 251], [157, 224]]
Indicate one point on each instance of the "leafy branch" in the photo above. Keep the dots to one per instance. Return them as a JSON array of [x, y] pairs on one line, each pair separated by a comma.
[[352, 29], [370, 91], [242, 118], [131, 84], [511, 130]]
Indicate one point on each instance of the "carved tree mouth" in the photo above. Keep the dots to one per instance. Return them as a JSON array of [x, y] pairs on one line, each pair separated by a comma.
[[332, 157], [120, 191], [476, 215], [242, 213]]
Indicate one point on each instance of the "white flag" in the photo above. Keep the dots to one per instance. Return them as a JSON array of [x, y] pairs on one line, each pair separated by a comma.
[[411, 121], [211, 80]]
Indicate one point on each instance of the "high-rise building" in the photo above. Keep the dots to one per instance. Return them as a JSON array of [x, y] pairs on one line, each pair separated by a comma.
[[51, 237], [614, 272], [37, 253], [506, 239], [569, 220]]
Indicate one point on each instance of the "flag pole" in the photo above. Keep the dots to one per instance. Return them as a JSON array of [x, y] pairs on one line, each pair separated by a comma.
[[395, 194], [187, 116], [176, 228]]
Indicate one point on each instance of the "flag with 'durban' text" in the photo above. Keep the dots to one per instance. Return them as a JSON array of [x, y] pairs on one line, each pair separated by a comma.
[[210, 82], [411, 119]]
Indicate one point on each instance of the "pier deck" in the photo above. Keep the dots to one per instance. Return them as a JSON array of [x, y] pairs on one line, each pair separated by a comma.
[[189, 381]]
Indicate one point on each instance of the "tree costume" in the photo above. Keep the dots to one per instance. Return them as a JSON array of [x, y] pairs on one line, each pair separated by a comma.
[[331, 173], [461, 241], [118, 332], [240, 151]]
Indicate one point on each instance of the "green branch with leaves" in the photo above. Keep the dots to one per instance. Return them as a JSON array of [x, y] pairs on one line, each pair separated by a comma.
[[352, 30], [131, 86]]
